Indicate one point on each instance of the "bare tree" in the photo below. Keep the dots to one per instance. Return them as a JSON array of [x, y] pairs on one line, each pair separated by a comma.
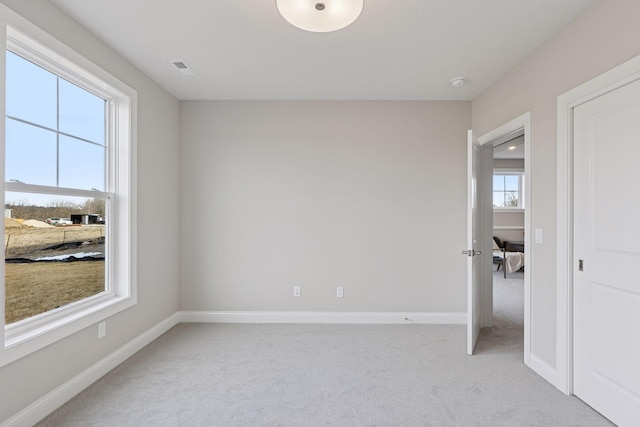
[[511, 200], [94, 206]]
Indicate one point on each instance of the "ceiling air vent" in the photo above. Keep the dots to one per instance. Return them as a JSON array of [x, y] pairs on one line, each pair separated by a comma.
[[183, 67]]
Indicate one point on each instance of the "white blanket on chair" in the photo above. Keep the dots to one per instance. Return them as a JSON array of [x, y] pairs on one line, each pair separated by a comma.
[[514, 261]]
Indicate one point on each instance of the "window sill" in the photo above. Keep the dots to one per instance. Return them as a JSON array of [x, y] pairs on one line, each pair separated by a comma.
[[22, 340], [508, 210]]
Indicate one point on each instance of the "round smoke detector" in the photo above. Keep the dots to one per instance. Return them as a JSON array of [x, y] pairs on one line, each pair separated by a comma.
[[458, 81]]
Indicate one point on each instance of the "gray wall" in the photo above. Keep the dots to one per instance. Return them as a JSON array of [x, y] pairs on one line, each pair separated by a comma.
[[508, 219], [604, 36], [370, 196], [29, 378]]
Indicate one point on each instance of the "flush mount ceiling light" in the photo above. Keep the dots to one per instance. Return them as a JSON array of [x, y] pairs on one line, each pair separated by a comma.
[[320, 16]]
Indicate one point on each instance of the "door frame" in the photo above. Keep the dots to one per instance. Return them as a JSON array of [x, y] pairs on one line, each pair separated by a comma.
[[494, 137], [613, 79]]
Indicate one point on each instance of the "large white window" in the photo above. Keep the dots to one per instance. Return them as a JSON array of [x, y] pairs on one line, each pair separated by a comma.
[[69, 194]]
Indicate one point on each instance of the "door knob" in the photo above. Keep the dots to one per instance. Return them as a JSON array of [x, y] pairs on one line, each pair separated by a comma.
[[471, 252]]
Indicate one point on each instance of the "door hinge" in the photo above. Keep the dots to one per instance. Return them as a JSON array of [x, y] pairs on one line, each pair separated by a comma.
[[580, 265]]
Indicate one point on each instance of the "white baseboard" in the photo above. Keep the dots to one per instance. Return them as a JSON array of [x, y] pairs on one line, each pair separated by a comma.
[[58, 397], [322, 317], [543, 369]]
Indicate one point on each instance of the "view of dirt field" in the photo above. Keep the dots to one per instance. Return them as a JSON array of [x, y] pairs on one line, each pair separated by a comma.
[[34, 286], [21, 239]]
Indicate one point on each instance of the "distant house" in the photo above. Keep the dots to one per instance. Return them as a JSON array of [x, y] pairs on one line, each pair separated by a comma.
[[7, 213], [85, 219]]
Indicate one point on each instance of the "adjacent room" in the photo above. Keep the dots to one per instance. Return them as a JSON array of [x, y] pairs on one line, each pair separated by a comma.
[[509, 205], [283, 212]]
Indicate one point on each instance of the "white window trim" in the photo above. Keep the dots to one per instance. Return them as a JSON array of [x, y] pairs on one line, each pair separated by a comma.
[[513, 171], [25, 337]]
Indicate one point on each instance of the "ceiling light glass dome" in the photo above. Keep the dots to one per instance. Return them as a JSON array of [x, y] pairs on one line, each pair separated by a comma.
[[320, 16]]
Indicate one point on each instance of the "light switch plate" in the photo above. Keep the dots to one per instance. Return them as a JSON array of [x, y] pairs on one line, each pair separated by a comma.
[[539, 236]]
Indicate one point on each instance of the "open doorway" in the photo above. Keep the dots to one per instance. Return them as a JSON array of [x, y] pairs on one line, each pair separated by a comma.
[[509, 202], [508, 321]]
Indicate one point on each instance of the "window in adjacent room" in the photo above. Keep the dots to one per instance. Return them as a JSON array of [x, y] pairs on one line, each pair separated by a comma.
[[508, 190]]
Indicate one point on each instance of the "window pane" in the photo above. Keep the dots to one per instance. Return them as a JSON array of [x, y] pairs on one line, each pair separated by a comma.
[[31, 92], [50, 263], [30, 154], [81, 164], [82, 114], [498, 199], [512, 182], [498, 182]]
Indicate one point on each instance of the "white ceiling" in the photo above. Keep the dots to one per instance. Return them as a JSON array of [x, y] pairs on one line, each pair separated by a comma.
[[396, 50], [513, 149]]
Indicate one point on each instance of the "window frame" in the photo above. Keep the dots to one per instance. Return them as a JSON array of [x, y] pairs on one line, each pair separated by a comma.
[[26, 336], [521, 187]]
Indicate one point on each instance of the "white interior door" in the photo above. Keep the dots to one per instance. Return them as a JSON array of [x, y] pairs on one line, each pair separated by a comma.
[[606, 272], [474, 243]]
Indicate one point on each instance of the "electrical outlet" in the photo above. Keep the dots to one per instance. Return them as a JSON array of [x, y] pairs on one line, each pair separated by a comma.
[[296, 291], [102, 329], [339, 292]]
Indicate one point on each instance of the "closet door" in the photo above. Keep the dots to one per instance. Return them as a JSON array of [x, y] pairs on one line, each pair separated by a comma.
[[606, 271]]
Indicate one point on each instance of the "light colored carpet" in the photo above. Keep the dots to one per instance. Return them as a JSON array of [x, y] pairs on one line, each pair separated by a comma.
[[508, 300], [325, 375], [507, 335]]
